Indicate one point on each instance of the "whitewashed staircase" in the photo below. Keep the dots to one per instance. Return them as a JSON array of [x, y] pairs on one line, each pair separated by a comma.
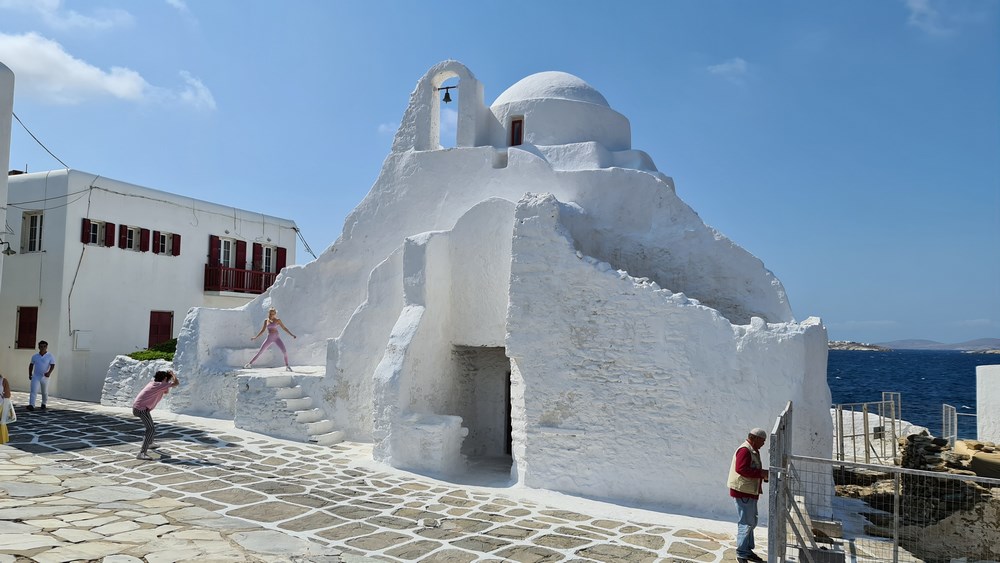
[[276, 405]]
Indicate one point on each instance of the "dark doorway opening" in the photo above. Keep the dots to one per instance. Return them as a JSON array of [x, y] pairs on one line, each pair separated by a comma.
[[483, 402]]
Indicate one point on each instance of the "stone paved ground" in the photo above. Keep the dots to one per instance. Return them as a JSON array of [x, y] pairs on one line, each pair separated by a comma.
[[71, 489]]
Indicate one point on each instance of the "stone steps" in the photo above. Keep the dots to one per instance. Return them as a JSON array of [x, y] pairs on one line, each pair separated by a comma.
[[275, 403]]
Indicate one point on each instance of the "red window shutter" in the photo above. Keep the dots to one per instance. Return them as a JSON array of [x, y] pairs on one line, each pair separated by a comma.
[[280, 261], [176, 246], [27, 325], [122, 236], [213, 250], [144, 240], [109, 234], [85, 231], [258, 257], [241, 254], [156, 242]]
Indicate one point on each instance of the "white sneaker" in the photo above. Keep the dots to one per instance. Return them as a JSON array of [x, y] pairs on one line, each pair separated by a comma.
[[288, 368], [143, 456], [246, 366]]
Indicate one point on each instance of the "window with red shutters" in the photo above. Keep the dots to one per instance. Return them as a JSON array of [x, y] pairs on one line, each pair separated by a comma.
[[175, 249], [85, 231], [27, 325], [156, 242], [109, 234], [144, 240], [122, 236], [161, 326]]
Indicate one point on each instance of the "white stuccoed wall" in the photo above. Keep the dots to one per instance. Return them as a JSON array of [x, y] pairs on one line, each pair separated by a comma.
[[619, 389], [463, 273], [126, 377], [988, 403], [6, 113], [638, 393]]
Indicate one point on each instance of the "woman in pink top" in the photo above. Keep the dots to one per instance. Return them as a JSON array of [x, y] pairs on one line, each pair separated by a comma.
[[271, 325], [147, 401]]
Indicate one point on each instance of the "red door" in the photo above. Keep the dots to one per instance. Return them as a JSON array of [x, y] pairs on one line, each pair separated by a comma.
[[161, 325]]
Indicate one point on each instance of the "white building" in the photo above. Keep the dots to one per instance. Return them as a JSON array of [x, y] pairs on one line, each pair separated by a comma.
[[103, 268], [537, 297], [6, 113]]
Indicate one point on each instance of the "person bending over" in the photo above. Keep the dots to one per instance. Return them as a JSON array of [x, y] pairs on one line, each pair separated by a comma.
[[147, 400]]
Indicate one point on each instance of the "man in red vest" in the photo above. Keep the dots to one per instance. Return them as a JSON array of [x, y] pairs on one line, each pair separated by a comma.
[[746, 481]]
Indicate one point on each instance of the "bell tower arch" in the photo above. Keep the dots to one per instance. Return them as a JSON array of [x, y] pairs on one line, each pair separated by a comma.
[[421, 126]]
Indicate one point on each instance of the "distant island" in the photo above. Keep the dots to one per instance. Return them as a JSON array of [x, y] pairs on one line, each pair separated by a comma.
[[848, 345], [979, 346]]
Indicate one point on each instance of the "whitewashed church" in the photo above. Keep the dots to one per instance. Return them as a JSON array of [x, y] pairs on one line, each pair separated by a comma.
[[536, 298]]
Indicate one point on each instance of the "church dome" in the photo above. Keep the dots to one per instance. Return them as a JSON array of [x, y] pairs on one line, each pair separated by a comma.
[[551, 85]]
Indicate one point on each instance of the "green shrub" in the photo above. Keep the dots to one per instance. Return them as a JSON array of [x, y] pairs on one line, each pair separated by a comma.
[[162, 351], [143, 355], [168, 346]]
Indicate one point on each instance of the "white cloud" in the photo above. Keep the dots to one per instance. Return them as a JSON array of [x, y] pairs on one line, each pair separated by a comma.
[[734, 69], [56, 16], [387, 128], [924, 16], [180, 5], [195, 93], [943, 18], [44, 70]]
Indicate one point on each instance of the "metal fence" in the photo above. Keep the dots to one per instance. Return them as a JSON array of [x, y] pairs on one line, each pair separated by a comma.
[[949, 424], [868, 432], [881, 513]]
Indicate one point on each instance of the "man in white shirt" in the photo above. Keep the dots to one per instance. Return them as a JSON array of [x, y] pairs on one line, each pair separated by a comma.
[[39, 370]]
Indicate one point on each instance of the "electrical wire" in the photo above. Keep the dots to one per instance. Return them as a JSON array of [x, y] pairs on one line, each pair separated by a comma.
[[304, 243], [66, 166], [15, 205]]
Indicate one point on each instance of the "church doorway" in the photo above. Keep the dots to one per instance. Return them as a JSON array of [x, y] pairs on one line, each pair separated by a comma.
[[482, 383]]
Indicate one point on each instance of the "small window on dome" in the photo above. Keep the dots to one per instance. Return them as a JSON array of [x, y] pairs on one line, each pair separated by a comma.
[[516, 131]]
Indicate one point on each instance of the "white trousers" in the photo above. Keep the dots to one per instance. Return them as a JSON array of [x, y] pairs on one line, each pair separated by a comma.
[[39, 380]]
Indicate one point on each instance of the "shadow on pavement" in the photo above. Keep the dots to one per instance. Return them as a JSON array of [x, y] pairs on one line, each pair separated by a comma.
[[64, 429]]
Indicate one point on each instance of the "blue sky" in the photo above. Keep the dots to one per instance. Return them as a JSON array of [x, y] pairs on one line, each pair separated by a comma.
[[852, 146]]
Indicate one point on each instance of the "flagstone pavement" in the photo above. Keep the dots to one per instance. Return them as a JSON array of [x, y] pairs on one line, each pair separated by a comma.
[[71, 489]]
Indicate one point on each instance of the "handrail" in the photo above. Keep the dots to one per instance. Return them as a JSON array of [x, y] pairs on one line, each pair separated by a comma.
[[238, 280]]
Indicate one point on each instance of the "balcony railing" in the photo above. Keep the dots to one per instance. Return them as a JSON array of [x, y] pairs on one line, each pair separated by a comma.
[[221, 278]]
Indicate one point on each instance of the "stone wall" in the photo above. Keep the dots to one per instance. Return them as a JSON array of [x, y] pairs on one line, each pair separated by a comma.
[[945, 518]]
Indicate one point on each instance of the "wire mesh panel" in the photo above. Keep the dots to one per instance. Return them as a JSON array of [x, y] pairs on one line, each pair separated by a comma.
[[949, 424], [885, 513], [896, 399], [867, 432]]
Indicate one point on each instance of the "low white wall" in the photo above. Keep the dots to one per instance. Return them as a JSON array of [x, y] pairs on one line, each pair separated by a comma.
[[988, 403], [126, 377]]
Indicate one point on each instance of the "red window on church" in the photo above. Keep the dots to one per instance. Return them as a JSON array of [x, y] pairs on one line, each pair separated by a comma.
[[516, 131]]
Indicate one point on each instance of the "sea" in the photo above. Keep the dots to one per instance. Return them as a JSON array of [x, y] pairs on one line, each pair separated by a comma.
[[925, 379]]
